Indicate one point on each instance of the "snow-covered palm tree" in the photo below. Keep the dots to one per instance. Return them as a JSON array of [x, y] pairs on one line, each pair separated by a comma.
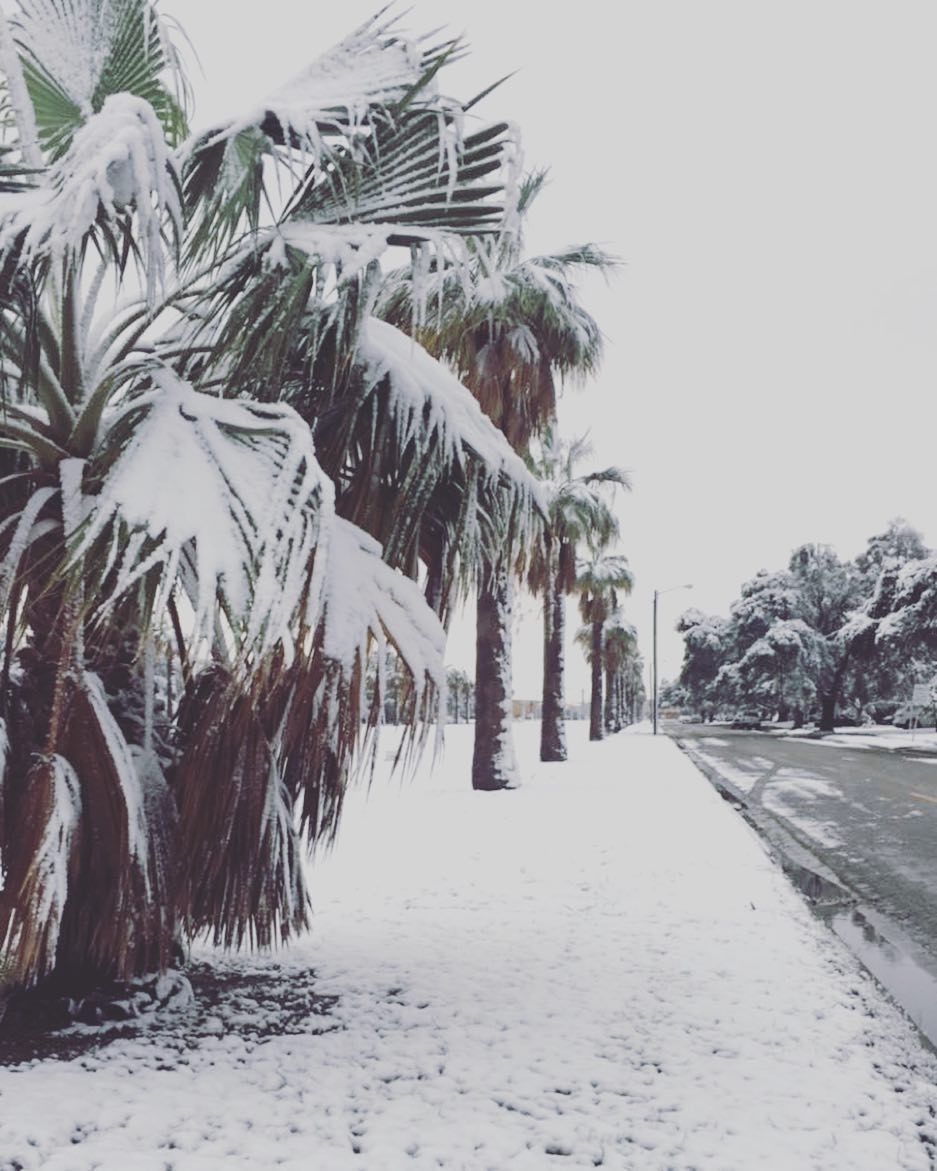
[[511, 332], [599, 581], [199, 417], [619, 661], [578, 509]]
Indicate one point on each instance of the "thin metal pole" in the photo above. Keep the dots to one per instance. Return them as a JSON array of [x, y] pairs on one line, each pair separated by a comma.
[[654, 685]]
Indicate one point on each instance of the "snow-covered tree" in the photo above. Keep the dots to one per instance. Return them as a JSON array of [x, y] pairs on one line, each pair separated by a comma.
[[822, 634], [215, 465], [578, 510], [830, 590], [896, 546], [705, 649], [600, 579], [460, 692], [623, 666], [511, 332]]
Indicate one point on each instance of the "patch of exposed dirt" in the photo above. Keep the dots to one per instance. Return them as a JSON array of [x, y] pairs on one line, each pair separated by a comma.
[[175, 1012]]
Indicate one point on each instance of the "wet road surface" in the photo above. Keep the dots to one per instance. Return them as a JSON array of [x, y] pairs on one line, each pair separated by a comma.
[[869, 813]]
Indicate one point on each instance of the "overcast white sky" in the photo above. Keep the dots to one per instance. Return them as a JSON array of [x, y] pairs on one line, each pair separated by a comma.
[[767, 172]]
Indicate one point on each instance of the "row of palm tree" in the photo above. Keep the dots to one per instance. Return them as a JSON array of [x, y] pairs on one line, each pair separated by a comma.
[[233, 472], [579, 513], [512, 328], [223, 477]]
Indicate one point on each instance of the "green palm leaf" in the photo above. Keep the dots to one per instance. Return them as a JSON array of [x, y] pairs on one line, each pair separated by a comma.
[[78, 53]]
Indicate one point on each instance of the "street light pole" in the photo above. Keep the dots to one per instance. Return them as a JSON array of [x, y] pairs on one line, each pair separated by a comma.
[[657, 594], [654, 668]]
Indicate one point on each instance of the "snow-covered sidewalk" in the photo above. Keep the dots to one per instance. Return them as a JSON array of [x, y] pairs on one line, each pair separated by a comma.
[[600, 968]]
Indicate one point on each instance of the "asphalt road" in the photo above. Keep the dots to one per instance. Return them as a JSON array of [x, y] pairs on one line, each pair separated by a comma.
[[870, 814]]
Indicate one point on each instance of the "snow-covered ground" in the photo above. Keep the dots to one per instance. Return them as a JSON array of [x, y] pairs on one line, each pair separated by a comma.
[[600, 968]]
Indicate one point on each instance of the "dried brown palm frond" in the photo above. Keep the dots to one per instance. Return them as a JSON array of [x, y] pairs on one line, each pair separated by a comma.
[[239, 871], [265, 757], [91, 867], [37, 863]]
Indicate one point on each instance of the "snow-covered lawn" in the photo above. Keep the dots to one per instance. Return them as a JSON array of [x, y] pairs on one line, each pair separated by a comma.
[[600, 968]]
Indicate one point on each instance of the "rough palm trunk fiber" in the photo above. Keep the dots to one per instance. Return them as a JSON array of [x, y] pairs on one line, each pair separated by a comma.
[[493, 762], [596, 729], [552, 728]]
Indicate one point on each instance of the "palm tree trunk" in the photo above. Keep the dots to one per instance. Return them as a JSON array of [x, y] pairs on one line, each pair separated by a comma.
[[609, 720], [829, 698], [493, 761], [552, 728], [596, 730]]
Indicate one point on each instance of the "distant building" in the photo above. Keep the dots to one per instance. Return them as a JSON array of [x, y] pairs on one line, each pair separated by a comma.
[[532, 709]]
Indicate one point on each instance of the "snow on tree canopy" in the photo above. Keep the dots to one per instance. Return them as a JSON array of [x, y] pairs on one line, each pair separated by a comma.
[[349, 248], [428, 398], [118, 161], [231, 487], [370, 67], [363, 594], [76, 42]]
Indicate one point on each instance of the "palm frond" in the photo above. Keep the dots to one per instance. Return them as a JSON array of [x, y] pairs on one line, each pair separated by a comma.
[[248, 886], [37, 868], [414, 175], [599, 582], [288, 739], [454, 493], [77, 54], [117, 181], [248, 547], [510, 328], [375, 140]]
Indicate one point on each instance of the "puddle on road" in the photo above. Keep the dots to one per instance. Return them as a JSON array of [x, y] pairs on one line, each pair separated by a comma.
[[866, 933], [910, 984]]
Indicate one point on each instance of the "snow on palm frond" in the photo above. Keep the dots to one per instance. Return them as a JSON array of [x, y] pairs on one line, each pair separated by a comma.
[[335, 94], [373, 66], [120, 761], [461, 493], [599, 581], [416, 173], [346, 248], [578, 509], [262, 502], [17, 532], [376, 141], [507, 326], [366, 602], [77, 53], [117, 165], [428, 400], [363, 598], [36, 871]]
